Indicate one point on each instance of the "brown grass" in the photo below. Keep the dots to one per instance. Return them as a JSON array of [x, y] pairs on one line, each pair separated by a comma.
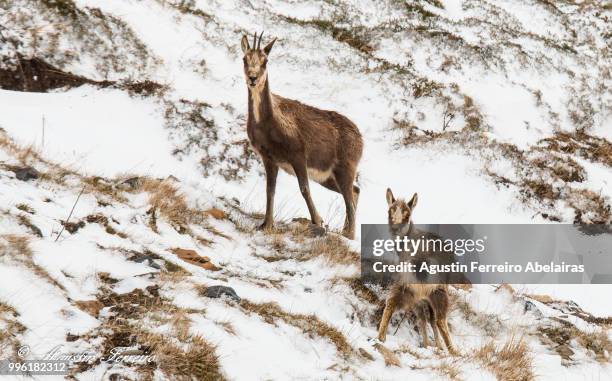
[[332, 248], [197, 361], [309, 324], [9, 342], [390, 358], [510, 362], [178, 353], [447, 368], [560, 336], [165, 198], [17, 248], [582, 144]]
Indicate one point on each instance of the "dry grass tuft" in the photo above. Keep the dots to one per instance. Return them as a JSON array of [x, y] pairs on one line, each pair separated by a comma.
[[11, 328], [390, 358], [309, 324], [165, 198], [332, 248], [582, 144], [17, 248], [197, 360], [447, 368], [561, 337], [510, 362], [489, 323]]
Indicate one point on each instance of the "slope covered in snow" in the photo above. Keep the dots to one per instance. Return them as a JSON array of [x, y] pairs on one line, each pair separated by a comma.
[[494, 112]]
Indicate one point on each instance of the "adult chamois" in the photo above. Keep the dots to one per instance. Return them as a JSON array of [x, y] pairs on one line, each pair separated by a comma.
[[302, 140]]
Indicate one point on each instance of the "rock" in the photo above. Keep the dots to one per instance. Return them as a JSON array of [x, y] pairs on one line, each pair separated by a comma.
[[140, 258], [218, 291], [70, 337], [530, 306], [26, 173], [130, 184], [191, 256], [92, 307]]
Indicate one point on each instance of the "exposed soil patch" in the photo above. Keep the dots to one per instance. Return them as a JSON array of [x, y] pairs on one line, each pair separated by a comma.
[[36, 75]]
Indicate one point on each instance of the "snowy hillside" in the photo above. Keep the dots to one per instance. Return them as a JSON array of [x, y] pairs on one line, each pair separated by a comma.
[[128, 187]]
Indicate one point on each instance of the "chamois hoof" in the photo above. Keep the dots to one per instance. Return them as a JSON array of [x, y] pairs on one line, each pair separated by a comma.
[[265, 226]]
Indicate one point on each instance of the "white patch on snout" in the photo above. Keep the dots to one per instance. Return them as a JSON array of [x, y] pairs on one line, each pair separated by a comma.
[[397, 216], [313, 173]]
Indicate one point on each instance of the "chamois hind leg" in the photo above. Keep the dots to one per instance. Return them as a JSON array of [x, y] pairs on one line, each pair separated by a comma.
[[356, 192], [299, 167], [345, 179], [436, 333], [443, 326]]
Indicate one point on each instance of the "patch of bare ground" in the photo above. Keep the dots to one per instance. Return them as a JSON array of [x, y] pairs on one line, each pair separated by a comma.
[[36, 75], [562, 336], [311, 325], [510, 362], [10, 329], [16, 248]]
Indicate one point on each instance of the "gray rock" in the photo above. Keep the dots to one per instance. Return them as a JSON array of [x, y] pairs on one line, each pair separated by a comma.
[[530, 306], [219, 291], [26, 173]]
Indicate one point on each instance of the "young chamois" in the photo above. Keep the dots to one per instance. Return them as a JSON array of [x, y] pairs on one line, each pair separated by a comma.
[[304, 141], [429, 302]]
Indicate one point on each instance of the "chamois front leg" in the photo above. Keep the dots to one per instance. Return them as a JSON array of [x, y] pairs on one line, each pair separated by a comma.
[[390, 306], [271, 175], [299, 167]]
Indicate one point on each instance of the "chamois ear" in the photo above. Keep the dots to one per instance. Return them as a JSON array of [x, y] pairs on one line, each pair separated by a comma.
[[390, 198], [244, 43], [268, 47], [412, 203]]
